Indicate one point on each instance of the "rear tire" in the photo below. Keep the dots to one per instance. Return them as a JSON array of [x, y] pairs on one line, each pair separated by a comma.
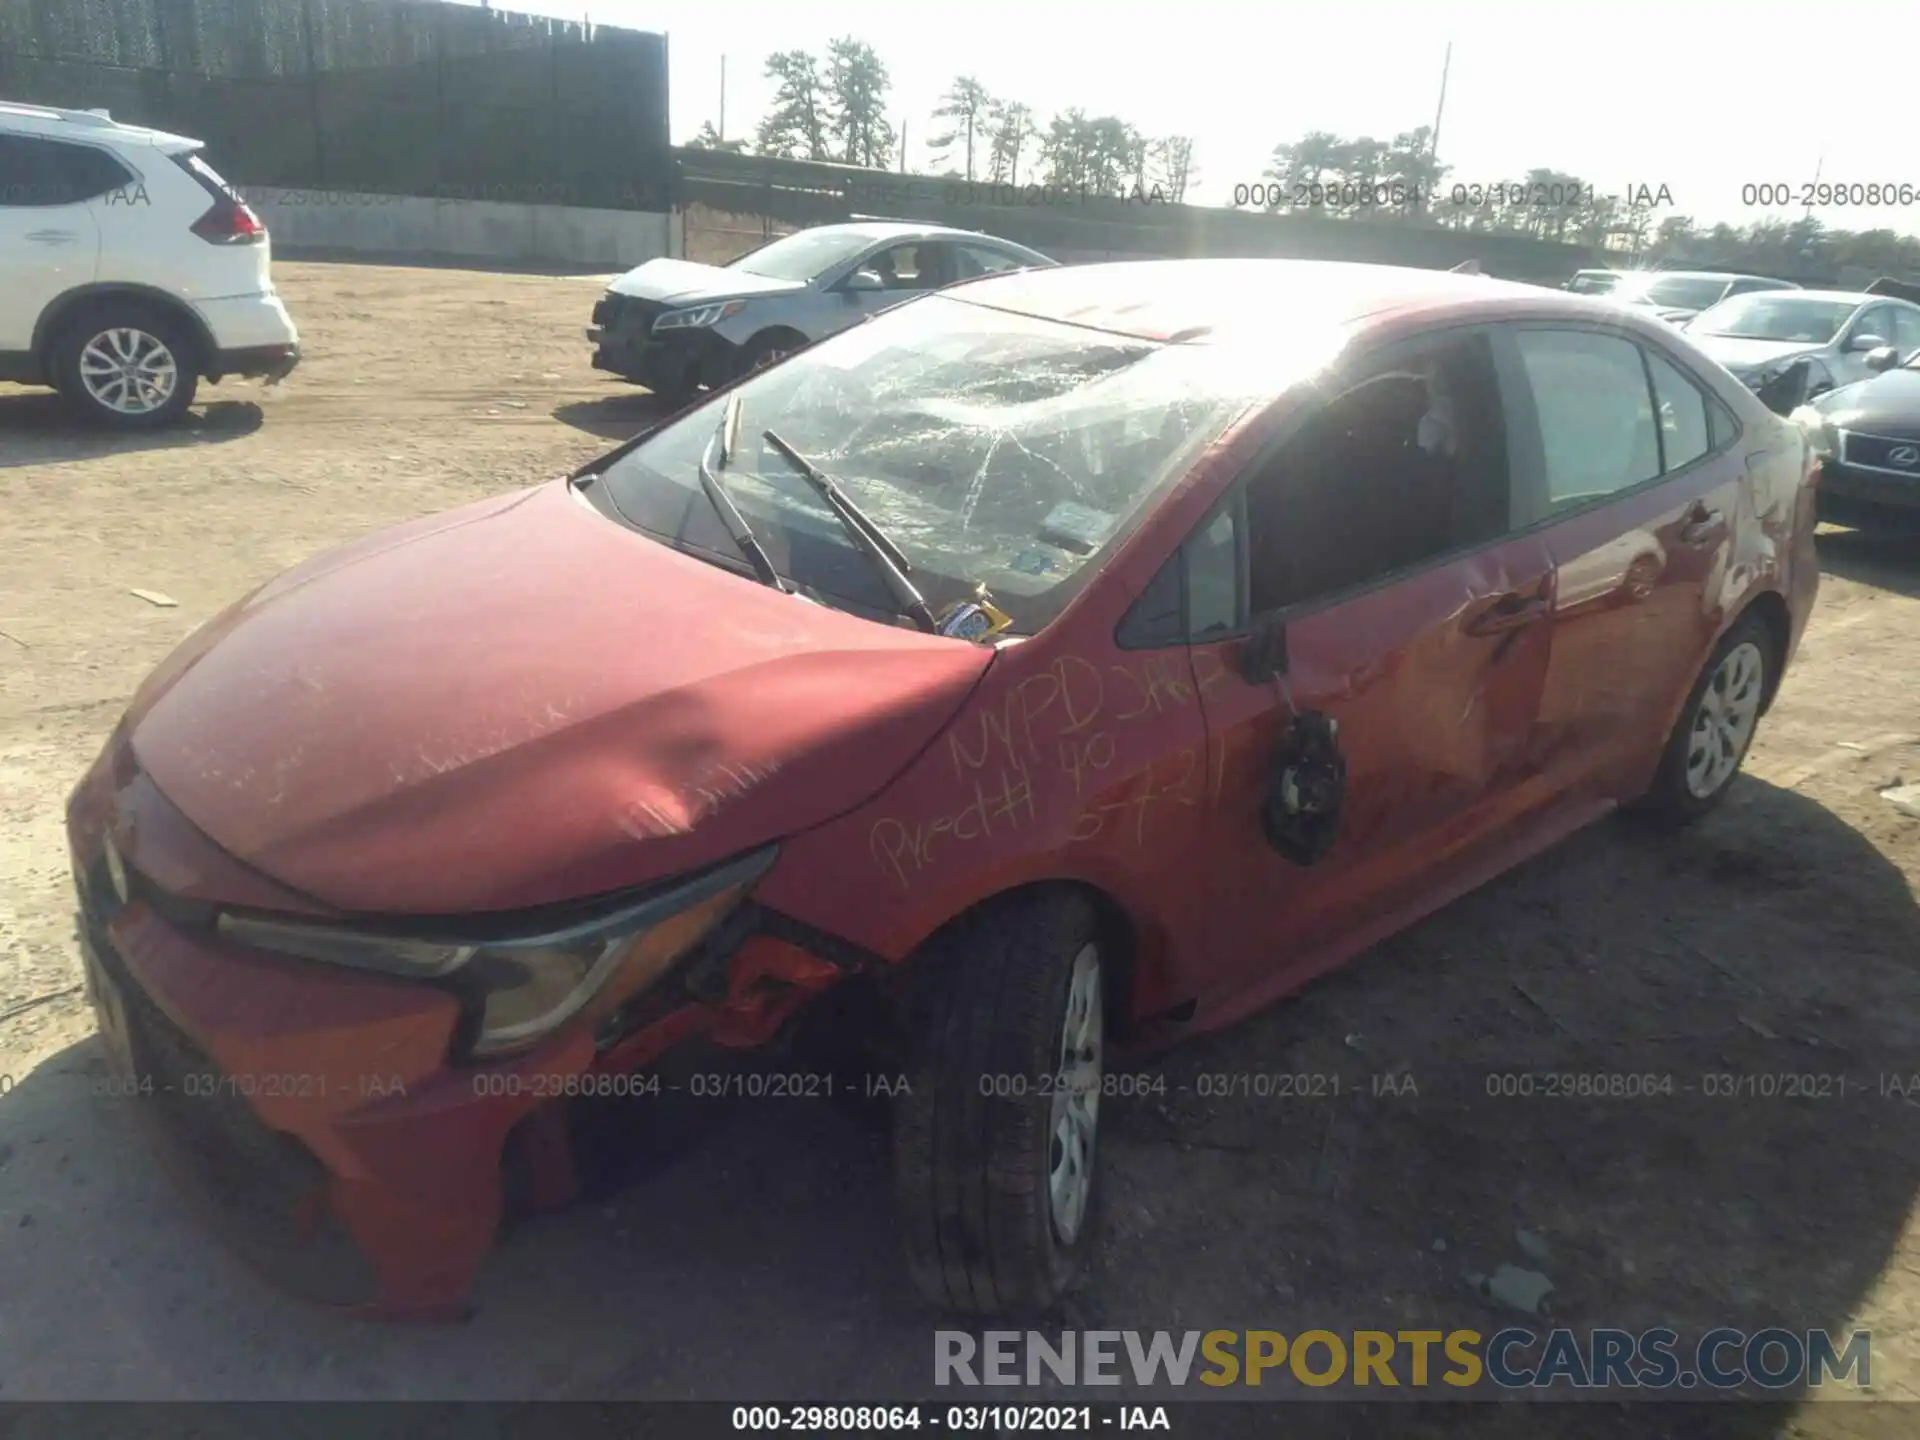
[[126, 367], [995, 1142], [1715, 728]]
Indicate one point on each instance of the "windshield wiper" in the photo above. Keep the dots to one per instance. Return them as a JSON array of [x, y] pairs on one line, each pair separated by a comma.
[[887, 557], [730, 516]]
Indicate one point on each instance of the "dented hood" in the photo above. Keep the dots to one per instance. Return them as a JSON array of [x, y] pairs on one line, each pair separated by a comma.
[[685, 282], [521, 702]]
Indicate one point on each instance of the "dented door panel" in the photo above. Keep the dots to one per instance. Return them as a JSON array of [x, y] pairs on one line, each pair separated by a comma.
[[1434, 708], [1640, 584]]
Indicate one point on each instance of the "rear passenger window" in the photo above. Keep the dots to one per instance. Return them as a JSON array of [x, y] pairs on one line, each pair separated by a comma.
[[1596, 413], [1683, 414], [37, 173], [87, 172]]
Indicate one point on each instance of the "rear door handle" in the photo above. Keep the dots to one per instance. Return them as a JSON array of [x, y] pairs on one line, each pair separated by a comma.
[[1512, 611], [53, 237], [1701, 525]]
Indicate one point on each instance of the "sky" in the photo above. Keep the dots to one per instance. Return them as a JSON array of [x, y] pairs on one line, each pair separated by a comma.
[[1702, 100]]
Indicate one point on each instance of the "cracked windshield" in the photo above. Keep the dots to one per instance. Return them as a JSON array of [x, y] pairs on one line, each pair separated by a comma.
[[992, 448]]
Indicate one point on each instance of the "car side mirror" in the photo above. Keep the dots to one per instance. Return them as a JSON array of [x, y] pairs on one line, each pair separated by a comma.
[[1865, 342], [1789, 390], [1263, 654], [863, 280], [1883, 358]]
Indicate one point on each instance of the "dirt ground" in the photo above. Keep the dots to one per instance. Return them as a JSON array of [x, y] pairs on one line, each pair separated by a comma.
[[1781, 938]]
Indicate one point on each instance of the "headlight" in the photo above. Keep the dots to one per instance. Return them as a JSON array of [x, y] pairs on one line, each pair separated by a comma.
[[700, 317], [528, 986]]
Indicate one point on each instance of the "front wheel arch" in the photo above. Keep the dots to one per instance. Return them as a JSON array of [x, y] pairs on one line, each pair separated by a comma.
[[783, 339], [1120, 939]]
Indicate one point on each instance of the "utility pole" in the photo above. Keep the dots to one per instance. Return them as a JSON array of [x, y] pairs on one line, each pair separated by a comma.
[[903, 147], [1818, 165], [723, 97], [1433, 140], [969, 147]]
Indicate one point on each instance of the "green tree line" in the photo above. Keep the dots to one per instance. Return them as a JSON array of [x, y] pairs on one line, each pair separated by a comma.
[[835, 108], [1401, 179]]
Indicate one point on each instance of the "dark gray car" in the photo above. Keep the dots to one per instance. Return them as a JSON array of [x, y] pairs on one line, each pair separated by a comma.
[[674, 326]]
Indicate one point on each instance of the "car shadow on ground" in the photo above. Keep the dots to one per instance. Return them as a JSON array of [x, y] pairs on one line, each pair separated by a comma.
[[1772, 941], [1885, 561], [37, 429], [614, 417]]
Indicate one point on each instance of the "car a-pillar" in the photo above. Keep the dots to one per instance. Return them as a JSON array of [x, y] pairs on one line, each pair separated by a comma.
[[1010, 1009]]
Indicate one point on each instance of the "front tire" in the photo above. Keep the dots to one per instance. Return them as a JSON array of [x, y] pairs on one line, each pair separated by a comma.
[[995, 1143], [126, 367], [1716, 727], [769, 347]]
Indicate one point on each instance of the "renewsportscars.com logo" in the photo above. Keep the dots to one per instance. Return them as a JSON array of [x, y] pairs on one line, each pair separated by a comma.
[[1510, 1359]]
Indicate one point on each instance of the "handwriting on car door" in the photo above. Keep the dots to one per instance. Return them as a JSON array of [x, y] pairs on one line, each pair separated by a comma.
[[1056, 740]]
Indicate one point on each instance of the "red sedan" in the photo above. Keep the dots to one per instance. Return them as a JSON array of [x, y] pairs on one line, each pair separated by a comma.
[[1060, 664]]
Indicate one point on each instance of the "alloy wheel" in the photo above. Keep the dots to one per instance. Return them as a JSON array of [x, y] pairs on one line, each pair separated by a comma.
[[128, 371], [1073, 1122], [1723, 720]]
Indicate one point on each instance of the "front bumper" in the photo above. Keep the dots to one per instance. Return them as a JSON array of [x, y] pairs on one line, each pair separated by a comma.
[[680, 362], [1864, 498], [621, 333], [314, 1112]]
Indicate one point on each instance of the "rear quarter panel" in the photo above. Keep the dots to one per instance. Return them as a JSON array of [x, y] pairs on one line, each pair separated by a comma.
[[146, 235]]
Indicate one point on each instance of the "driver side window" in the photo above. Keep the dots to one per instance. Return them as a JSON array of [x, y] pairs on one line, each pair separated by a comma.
[[1877, 322], [913, 266], [1405, 464]]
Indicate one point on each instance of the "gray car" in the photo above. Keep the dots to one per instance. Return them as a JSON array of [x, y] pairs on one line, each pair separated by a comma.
[[1677, 295], [674, 326], [1840, 333]]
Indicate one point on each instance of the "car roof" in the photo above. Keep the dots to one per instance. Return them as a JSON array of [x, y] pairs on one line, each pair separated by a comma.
[[1165, 300], [1712, 275], [890, 229], [1852, 297], [911, 230], [96, 125]]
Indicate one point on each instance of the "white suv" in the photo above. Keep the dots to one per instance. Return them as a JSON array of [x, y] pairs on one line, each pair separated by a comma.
[[129, 270]]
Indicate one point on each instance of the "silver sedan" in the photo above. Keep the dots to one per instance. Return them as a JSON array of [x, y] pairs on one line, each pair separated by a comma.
[[674, 326]]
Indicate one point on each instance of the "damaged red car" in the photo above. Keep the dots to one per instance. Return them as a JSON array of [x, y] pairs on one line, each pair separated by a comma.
[[1039, 672]]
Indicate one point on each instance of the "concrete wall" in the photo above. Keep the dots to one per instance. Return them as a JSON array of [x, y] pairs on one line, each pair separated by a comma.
[[464, 229]]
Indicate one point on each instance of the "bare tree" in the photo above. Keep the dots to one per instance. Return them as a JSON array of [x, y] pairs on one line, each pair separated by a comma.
[[796, 127], [709, 139], [1011, 134], [857, 85], [1170, 167], [965, 111]]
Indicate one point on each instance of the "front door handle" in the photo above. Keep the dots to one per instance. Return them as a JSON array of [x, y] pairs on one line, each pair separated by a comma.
[[52, 237], [1512, 611], [1700, 526]]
